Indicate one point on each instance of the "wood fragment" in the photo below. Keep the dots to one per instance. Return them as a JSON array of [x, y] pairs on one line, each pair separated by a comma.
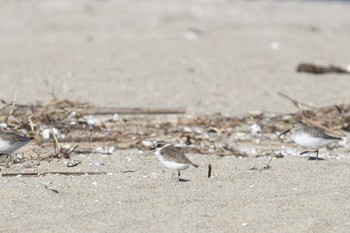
[[267, 166], [209, 170], [295, 102], [54, 173], [128, 171], [110, 111], [21, 109], [73, 163], [70, 151], [51, 189], [13, 104], [319, 69], [85, 139], [56, 145]]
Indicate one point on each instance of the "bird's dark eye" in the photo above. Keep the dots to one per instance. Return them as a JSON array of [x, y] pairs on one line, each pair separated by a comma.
[[159, 145]]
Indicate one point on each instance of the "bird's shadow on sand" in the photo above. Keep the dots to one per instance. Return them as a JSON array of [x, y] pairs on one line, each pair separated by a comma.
[[313, 158]]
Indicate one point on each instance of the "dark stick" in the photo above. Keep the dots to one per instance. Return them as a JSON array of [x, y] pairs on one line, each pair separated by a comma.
[[267, 166], [51, 189], [295, 102], [46, 173], [209, 170], [109, 111]]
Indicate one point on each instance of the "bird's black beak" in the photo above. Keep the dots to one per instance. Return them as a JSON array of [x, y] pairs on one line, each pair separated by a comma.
[[287, 131], [153, 148]]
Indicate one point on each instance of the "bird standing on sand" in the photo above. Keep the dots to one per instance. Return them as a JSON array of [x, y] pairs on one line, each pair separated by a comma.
[[10, 142], [172, 157], [309, 137]]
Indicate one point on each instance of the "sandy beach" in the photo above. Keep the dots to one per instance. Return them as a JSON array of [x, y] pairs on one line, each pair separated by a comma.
[[231, 57]]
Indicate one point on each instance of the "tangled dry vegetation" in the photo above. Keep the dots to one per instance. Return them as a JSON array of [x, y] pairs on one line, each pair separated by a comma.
[[87, 129]]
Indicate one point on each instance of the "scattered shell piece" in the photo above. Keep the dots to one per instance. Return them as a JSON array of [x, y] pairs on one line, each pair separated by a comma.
[[275, 45], [348, 68], [147, 143], [344, 142], [72, 163], [187, 129], [46, 133], [115, 117], [105, 150], [97, 164], [249, 151], [193, 34], [198, 130], [255, 129], [72, 118], [92, 121], [239, 135]]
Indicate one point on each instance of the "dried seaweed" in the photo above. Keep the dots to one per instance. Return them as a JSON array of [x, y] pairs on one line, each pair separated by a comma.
[[319, 69], [66, 121]]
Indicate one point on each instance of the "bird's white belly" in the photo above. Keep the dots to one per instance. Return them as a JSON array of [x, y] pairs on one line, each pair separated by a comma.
[[171, 164], [7, 148], [310, 142]]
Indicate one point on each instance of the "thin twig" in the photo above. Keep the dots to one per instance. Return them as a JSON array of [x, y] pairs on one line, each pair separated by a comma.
[[209, 170], [295, 102], [46, 173], [267, 166], [51, 189], [56, 145], [31, 125], [88, 138], [71, 151], [13, 104], [21, 109], [110, 111]]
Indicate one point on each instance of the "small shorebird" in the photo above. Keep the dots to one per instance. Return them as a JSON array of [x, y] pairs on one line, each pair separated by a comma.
[[172, 157], [10, 142], [309, 137]]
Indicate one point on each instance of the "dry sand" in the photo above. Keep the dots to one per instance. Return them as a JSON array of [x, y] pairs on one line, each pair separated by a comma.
[[127, 53], [209, 56], [295, 195]]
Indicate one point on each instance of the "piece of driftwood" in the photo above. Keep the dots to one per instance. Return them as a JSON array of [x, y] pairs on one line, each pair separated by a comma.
[[149, 111], [209, 170], [46, 173], [22, 109], [318, 69], [297, 104]]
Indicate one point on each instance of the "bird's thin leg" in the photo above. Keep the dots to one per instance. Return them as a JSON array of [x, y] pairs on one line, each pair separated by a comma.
[[6, 156], [178, 173], [314, 151], [305, 152]]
